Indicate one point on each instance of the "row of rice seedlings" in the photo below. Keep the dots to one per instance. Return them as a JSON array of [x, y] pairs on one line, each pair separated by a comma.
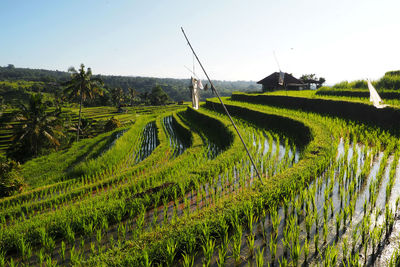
[[149, 142], [212, 196], [290, 234], [58, 199], [61, 197], [55, 189], [176, 143], [236, 243]]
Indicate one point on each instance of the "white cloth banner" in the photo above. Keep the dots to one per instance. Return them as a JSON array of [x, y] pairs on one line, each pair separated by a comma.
[[281, 78], [374, 96]]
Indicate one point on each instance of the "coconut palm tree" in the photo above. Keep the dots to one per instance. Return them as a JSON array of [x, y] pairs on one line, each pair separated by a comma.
[[82, 86], [34, 128]]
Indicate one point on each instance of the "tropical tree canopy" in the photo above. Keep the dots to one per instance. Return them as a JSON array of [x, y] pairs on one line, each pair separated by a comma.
[[82, 85], [34, 129], [158, 96]]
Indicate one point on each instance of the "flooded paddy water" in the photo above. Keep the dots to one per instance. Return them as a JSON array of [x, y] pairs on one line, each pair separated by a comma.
[[347, 215]]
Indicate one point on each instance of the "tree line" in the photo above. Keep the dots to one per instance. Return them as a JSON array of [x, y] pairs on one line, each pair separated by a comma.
[[176, 89]]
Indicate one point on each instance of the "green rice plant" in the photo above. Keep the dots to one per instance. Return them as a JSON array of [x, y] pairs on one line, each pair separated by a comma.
[[286, 240], [325, 212], [316, 219], [236, 247], [69, 235], [365, 246], [397, 204], [250, 242], [353, 260], [341, 198], [286, 207], [316, 242], [365, 206], [98, 236], [208, 250], [263, 226], [250, 217], [346, 212], [2, 258], [88, 228], [41, 256], [395, 259], [171, 252], [345, 248], [352, 208], [330, 256], [121, 230], [338, 223], [295, 252], [22, 246], [103, 224], [325, 232], [272, 248], [93, 246], [298, 209], [155, 216], [275, 219], [50, 262], [222, 252], [260, 257], [146, 260], [365, 225], [62, 250], [308, 223], [49, 244], [188, 260], [354, 240], [374, 239], [306, 248], [389, 220], [73, 255], [284, 262]]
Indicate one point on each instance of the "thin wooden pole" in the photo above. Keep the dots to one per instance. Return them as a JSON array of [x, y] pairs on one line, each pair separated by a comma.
[[223, 105]]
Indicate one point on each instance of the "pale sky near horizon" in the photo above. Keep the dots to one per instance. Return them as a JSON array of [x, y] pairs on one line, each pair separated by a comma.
[[338, 40]]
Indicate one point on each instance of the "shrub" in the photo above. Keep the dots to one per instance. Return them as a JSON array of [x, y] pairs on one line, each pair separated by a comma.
[[112, 124], [10, 181]]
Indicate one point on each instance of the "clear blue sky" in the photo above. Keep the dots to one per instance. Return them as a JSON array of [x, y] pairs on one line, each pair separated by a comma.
[[339, 40]]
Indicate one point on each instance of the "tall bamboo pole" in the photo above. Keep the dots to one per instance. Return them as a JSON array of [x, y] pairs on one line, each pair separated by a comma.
[[223, 105]]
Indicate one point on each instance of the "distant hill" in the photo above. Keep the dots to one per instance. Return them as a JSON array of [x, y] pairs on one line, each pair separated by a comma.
[[177, 89]]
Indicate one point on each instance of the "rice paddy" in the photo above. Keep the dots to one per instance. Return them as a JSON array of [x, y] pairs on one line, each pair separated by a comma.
[[174, 187]]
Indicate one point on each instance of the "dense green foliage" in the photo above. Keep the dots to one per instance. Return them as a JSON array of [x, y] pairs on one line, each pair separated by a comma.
[[176, 89], [390, 81], [10, 181], [35, 129]]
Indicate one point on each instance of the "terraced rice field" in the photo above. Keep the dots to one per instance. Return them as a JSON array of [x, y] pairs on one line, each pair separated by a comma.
[[97, 117], [176, 188]]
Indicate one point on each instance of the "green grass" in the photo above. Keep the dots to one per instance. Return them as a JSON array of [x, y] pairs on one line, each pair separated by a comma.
[[312, 94]]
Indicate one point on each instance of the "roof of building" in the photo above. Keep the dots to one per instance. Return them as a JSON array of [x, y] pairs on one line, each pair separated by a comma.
[[273, 79]]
